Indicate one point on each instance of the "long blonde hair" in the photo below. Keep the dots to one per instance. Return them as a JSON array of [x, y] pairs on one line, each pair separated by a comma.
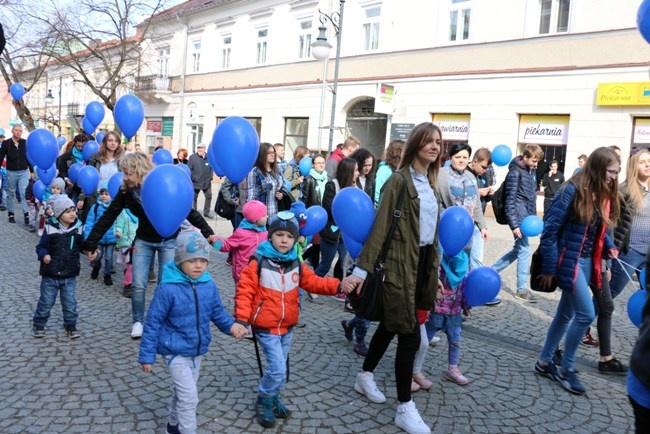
[[135, 162], [635, 191]]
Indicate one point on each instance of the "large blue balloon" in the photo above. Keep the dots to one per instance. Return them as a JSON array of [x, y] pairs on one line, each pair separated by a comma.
[[95, 113], [481, 286], [38, 189], [186, 169], [48, 175], [42, 148], [99, 138], [235, 144], [635, 306], [305, 165], [17, 91], [87, 126], [316, 221], [212, 159], [354, 213], [167, 196], [114, 184], [643, 277], [643, 20], [73, 172], [90, 148], [129, 114], [88, 180], [455, 230], [162, 156], [532, 226], [354, 248], [501, 155]]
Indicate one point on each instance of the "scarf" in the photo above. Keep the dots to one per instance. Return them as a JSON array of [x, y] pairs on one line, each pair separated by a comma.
[[77, 155], [267, 250], [245, 224], [321, 180], [456, 268]]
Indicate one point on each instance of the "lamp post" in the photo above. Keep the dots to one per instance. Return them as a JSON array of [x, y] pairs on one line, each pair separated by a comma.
[[49, 99], [321, 51]]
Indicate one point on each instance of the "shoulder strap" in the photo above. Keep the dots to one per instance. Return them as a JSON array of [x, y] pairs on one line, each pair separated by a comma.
[[397, 213]]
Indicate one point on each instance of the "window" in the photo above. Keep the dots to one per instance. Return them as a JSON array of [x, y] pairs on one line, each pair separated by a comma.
[[163, 62], [195, 137], [225, 52], [371, 28], [261, 45], [295, 132], [256, 122], [459, 19], [305, 40], [554, 11], [196, 56]]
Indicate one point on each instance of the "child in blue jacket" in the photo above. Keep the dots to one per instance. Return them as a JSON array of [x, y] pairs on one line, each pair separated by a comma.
[[108, 241], [178, 325]]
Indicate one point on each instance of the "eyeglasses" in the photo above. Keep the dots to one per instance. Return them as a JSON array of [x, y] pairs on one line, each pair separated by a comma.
[[613, 172], [319, 162], [271, 153], [638, 149]]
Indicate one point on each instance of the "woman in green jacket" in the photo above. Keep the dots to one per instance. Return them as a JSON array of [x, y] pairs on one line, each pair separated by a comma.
[[411, 268]]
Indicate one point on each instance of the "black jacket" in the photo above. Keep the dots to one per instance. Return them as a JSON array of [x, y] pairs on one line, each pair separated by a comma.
[[328, 233], [16, 157], [64, 248], [201, 172], [521, 193]]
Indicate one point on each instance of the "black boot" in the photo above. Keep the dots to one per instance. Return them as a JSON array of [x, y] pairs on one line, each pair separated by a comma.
[[126, 292], [26, 218], [94, 273], [12, 219], [107, 280], [279, 410], [264, 410]]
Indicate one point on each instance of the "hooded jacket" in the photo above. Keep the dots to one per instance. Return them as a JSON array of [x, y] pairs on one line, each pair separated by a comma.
[[94, 213], [64, 247]]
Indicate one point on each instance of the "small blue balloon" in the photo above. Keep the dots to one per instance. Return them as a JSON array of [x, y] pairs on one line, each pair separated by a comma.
[[235, 144], [38, 189], [315, 222], [129, 114], [60, 140], [162, 156], [42, 149], [354, 248], [635, 306], [73, 172], [88, 180], [114, 184], [95, 113], [305, 166], [17, 91], [501, 155], [532, 226], [456, 229], [99, 138], [482, 285], [354, 213], [90, 148], [167, 184], [87, 126], [47, 176]]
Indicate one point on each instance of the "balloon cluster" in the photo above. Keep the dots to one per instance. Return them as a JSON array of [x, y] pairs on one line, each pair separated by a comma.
[[354, 215]]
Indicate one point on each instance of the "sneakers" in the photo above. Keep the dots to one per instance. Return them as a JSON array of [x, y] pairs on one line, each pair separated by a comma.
[[26, 218], [347, 307], [136, 331], [38, 331], [172, 429], [126, 292], [3, 208], [422, 381], [361, 349], [347, 330], [12, 219], [279, 410], [108, 281], [264, 410], [31, 228], [549, 370], [366, 385], [455, 376], [408, 418], [613, 367], [588, 340], [434, 341], [494, 302], [526, 295], [94, 273], [414, 386], [340, 297], [568, 379], [72, 332]]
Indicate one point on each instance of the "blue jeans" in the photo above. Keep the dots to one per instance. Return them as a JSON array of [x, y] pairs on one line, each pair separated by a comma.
[[476, 253], [142, 259], [185, 397], [451, 325], [360, 325], [276, 352], [520, 253], [106, 251], [328, 252], [574, 315], [20, 179], [50, 286], [621, 271]]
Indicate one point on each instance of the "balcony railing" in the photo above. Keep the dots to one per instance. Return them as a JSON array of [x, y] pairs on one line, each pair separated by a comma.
[[73, 109], [153, 82]]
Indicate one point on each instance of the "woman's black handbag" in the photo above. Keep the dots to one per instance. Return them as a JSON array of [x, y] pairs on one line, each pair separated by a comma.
[[223, 208], [370, 303], [536, 273]]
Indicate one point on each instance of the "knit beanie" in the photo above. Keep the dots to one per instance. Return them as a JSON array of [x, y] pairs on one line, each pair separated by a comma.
[[254, 210], [58, 182], [60, 203], [284, 221], [191, 245]]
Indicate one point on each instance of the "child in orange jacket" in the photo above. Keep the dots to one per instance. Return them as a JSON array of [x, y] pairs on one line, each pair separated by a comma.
[[267, 299]]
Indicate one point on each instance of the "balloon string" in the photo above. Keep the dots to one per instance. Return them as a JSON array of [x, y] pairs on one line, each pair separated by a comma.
[[621, 262]]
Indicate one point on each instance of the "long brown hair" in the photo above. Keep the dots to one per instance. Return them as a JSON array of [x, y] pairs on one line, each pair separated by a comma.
[[261, 162], [345, 172], [103, 149], [634, 189], [593, 190], [420, 136]]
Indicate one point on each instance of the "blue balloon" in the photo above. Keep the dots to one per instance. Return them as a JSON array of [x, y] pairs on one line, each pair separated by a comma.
[[354, 248], [501, 155], [354, 213], [88, 180], [60, 140], [212, 159], [164, 185], [99, 138], [455, 230], [48, 175], [87, 126], [129, 114], [90, 148], [186, 169], [635, 306], [305, 165], [643, 278], [532, 226], [38, 189], [42, 148], [162, 156], [235, 144], [482, 285], [643, 20], [315, 222], [73, 172], [17, 91], [114, 184], [95, 113]]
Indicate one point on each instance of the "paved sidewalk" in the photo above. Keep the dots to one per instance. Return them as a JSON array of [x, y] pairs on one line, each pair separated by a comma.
[[95, 385]]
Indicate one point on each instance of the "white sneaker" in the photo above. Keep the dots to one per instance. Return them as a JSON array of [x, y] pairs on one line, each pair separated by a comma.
[[434, 341], [136, 331], [408, 418], [366, 385]]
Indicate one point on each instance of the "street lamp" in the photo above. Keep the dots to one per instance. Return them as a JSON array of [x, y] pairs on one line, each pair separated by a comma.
[[49, 99], [321, 51]]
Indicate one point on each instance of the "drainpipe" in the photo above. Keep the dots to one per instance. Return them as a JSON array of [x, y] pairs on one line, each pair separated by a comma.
[[182, 91]]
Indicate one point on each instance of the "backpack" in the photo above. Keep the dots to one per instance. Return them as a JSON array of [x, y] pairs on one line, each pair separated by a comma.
[[223, 208], [499, 204]]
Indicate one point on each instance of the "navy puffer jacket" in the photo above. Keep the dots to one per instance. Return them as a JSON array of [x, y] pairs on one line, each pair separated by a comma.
[[563, 239], [521, 192]]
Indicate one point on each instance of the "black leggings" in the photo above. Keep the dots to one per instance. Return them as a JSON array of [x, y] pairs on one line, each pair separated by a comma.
[[641, 417], [604, 308]]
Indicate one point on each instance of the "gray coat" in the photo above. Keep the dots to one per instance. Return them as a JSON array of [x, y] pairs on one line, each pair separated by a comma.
[[201, 171]]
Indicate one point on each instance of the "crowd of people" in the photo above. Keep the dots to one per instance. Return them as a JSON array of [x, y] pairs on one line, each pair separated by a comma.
[[595, 237]]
